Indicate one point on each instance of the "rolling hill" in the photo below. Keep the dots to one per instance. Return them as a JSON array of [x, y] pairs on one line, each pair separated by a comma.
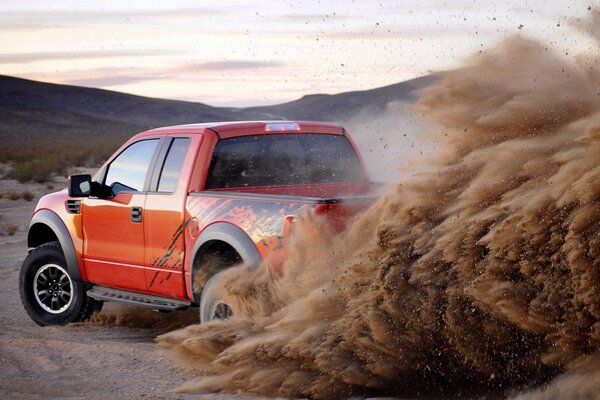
[[47, 127], [343, 106]]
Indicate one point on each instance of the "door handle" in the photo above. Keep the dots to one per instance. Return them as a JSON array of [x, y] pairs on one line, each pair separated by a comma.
[[136, 214]]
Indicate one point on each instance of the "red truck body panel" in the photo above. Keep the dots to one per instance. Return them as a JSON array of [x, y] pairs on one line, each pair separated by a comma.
[[156, 255]]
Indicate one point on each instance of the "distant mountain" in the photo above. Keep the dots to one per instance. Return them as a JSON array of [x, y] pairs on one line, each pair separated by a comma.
[[30, 107], [39, 121], [27, 105], [341, 107], [23, 94]]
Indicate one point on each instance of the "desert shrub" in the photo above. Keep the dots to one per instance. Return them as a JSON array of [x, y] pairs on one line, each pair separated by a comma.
[[38, 163], [28, 196], [12, 229], [13, 196], [36, 170]]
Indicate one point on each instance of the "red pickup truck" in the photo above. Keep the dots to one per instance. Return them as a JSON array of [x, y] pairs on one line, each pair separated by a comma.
[[173, 206]]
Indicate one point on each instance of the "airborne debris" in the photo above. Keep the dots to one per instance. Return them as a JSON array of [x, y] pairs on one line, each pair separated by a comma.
[[480, 274]]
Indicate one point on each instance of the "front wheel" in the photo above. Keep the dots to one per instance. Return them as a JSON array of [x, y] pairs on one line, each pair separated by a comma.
[[49, 293], [216, 303]]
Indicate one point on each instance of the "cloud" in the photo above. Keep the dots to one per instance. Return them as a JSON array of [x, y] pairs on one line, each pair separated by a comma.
[[317, 17], [224, 65], [405, 32], [60, 18], [108, 77], [12, 58], [108, 81]]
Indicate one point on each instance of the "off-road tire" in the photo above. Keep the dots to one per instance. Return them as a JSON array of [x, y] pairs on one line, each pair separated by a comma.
[[216, 303], [60, 299]]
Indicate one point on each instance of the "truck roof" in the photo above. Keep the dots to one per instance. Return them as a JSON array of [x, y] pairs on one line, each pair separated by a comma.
[[244, 128]]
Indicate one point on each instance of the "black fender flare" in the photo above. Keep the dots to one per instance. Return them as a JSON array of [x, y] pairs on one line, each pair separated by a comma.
[[233, 236], [53, 221]]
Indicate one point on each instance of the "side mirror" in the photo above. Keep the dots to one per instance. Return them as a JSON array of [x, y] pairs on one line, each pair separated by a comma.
[[80, 185]]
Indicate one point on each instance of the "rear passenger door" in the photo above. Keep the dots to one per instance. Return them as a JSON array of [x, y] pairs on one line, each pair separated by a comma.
[[164, 218]]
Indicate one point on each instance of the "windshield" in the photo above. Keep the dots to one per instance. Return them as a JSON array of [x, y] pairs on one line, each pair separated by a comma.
[[283, 159]]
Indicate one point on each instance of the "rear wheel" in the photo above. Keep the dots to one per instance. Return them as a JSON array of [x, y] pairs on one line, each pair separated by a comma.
[[216, 303], [215, 258], [48, 291]]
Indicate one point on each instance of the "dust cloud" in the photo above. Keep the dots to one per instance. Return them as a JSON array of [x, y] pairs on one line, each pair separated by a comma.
[[479, 279], [136, 317], [394, 142]]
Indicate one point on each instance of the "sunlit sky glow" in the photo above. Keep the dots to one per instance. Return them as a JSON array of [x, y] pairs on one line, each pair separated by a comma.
[[242, 53]]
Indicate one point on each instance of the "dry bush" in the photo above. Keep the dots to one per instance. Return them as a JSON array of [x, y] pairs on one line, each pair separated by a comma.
[[13, 196], [39, 162], [12, 229], [27, 196], [36, 170], [50, 187]]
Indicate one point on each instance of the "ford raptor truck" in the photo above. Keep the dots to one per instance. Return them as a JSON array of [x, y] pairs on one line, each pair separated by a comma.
[[176, 205]]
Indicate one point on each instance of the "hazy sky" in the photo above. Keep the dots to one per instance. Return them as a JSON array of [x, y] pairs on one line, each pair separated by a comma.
[[256, 52]]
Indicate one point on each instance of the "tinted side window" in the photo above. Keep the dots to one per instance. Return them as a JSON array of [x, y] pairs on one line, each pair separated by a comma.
[[169, 176], [128, 171]]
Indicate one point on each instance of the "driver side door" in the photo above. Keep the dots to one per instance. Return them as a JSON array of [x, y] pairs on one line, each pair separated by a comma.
[[113, 226]]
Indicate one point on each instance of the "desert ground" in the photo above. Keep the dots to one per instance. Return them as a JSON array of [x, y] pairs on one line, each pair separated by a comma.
[[82, 361], [86, 361]]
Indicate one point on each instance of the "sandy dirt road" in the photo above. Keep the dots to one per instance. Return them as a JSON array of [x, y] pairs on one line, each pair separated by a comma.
[[86, 361], [73, 362]]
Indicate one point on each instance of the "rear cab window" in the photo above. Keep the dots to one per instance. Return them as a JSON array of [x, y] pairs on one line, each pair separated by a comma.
[[283, 159]]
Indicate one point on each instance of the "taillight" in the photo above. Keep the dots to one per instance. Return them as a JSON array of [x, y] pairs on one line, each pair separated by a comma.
[[321, 209]]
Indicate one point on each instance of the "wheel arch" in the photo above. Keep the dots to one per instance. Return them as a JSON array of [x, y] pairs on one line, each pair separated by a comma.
[[45, 227], [221, 235]]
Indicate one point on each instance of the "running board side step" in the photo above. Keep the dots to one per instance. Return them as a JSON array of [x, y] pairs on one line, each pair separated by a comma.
[[137, 299]]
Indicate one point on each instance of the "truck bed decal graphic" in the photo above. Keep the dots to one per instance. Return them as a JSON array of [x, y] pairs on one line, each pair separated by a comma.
[[261, 220], [164, 261]]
